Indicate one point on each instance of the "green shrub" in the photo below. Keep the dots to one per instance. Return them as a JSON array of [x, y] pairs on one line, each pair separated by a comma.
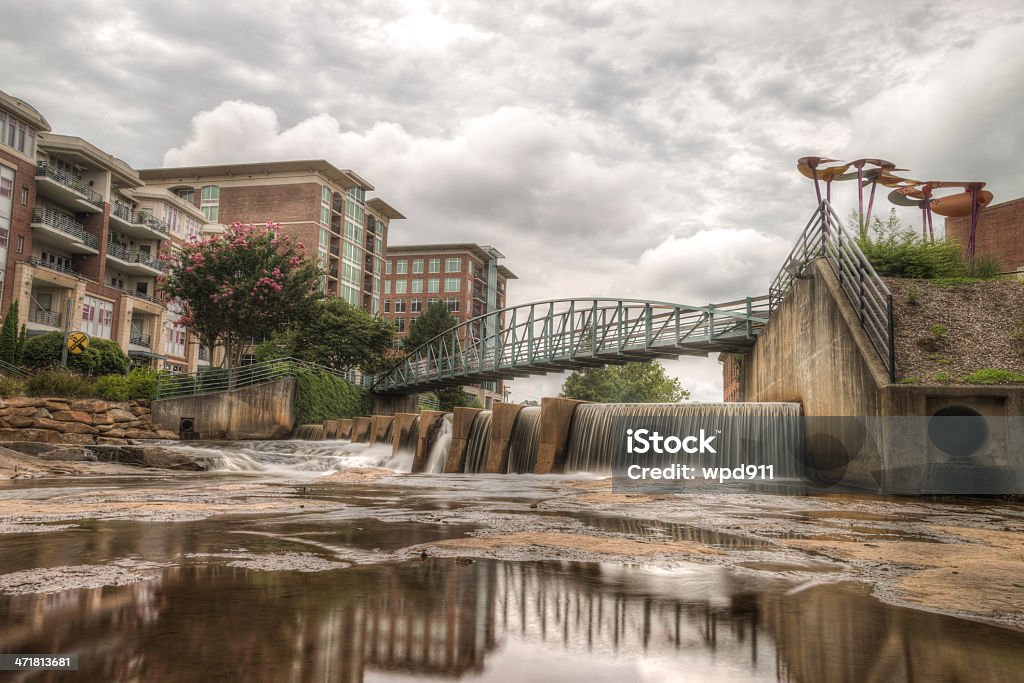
[[321, 396], [103, 357], [901, 253], [989, 376], [912, 295], [58, 382], [140, 383], [983, 267], [10, 387]]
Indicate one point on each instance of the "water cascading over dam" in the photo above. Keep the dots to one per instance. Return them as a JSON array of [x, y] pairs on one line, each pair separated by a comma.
[[596, 431], [478, 443], [522, 452]]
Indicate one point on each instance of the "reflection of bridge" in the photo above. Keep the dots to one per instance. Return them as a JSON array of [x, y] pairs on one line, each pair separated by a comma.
[[568, 334]]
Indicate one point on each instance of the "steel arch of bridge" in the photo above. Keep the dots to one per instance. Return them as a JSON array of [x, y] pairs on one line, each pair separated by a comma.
[[568, 334]]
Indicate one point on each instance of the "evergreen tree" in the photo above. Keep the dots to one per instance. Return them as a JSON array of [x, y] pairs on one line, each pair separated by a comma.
[[9, 336], [428, 326]]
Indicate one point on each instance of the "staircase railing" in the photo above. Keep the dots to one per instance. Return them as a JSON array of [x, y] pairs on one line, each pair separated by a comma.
[[212, 380], [825, 237]]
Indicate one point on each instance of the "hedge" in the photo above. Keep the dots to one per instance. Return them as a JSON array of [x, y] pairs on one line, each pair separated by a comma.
[[322, 396]]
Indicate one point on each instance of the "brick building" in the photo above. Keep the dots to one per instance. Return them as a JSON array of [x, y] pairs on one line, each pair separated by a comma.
[[317, 204], [466, 277], [1000, 233]]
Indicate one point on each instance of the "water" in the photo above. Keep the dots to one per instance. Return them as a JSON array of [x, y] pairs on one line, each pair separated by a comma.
[[310, 432], [593, 436], [440, 441], [522, 450], [294, 458], [478, 443], [408, 443]]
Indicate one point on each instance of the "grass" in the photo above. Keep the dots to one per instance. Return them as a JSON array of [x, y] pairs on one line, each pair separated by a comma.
[[942, 377], [990, 376]]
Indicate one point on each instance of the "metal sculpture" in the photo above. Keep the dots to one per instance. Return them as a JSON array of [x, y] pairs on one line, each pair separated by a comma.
[[905, 192]]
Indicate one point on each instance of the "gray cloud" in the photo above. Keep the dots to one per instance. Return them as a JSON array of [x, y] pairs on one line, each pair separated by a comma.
[[606, 147]]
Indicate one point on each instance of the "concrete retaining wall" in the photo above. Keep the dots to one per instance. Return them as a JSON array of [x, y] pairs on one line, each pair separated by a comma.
[[555, 421], [264, 411], [361, 429], [429, 424], [400, 430], [503, 419], [462, 420], [379, 428]]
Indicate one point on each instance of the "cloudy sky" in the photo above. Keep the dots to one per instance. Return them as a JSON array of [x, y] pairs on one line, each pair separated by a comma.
[[630, 149]]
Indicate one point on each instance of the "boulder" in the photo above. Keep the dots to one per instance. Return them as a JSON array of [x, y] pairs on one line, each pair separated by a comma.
[[56, 404], [89, 405], [19, 421], [41, 435], [71, 416], [120, 415], [78, 438], [64, 427], [147, 456], [111, 441], [24, 401], [26, 411]]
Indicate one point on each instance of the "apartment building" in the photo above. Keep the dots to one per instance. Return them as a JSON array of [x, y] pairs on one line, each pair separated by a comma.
[[323, 207], [82, 242], [468, 278]]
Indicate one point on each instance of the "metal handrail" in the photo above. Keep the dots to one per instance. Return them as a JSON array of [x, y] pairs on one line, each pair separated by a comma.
[[122, 210], [44, 317], [138, 295], [118, 251], [66, 224], [36, 261], [8, 369], [214, 380], [141, 339], [825, 237], [70, 181], [150, 221]]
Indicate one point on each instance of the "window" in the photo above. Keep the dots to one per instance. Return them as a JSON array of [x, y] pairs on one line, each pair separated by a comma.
[[400, 286], [434, 285], [452, 265], [435, 265], [387, 268], [415, 305], [401, 267], [417, 266], [97, 317], [399, 305], [387, 286], [21, 244], [417, 286], [187, 193], [453, 305], [452, 284], [400, 324], [387, 305], [24, 195], [210, 203]]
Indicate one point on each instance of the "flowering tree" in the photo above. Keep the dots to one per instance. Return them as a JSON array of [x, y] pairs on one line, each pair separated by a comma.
[[246, 283]]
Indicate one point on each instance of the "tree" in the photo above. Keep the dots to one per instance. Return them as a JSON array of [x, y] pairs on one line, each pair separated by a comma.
[[103, 357], [629, 383], [248, 282], [335, 334], [9, 336], [434, 322], [451, 398]]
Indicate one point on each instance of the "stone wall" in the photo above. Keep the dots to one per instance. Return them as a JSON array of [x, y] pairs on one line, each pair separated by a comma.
[[77, 421]]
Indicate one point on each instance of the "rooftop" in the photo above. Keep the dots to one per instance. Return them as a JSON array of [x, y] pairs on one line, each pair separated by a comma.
[[484, 253], [23, 110], [88, 155], [342, 177]]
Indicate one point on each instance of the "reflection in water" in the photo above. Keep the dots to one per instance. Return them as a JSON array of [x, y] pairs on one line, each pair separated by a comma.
[[502, 620]]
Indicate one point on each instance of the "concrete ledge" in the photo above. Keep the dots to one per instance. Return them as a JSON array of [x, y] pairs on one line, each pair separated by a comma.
[[503, 419], [361, 429], [462, 420], [429, 425], [263, 411], [379, 428], [331, 428], [345, 429], [555, 422], [400, 430]]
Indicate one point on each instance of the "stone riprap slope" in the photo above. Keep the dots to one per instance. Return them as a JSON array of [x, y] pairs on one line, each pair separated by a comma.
[[77, 421]]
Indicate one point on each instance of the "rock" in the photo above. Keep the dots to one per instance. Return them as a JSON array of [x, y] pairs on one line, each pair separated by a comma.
[[19, 421], [64, 427], [165, 434], [41, 435], [24, 402], [112, 432], [120, 415], [89, 405], [139, 434], [55, 404], [139, 410], [41, 412], [147, 456], [78, 438], [111, 441], [72, 416], [101, 419], [27, 411], [47, 451]]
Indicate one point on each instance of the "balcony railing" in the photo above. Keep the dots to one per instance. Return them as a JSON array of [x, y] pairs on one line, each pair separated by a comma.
[[44, 317], [133, 256], [66, 224], [138, 295], [122, 211], [139, 339], [204, 353], [36, 261], [69, 180], [150, 221], [335, 249]]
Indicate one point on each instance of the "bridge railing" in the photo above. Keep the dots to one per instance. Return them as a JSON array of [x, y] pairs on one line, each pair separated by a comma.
[[213, 380], [825, 237]]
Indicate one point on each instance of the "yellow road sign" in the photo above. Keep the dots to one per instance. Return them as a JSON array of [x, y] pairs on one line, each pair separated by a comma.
[[78, 342]]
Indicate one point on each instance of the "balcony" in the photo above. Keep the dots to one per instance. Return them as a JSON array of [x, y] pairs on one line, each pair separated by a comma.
[[140, 339], [336, 250], [54, 227], [122, 211], [35, 261], [67, 188], [46, 318], [133, 261], [138, 295], [139, 224]]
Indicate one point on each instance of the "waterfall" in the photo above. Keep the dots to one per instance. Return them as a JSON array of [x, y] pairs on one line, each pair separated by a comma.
[[478, 443], [748, 431], [408, 443], [440, 441], [389, 432], [522, 451], [312, 432]]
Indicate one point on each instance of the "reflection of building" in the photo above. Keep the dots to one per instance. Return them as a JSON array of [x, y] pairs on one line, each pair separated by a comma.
[[1000, 233], [82, 241], [467, 278], [323, 207]]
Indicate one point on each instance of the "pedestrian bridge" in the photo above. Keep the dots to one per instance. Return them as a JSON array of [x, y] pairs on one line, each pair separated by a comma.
[[569, 334]]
